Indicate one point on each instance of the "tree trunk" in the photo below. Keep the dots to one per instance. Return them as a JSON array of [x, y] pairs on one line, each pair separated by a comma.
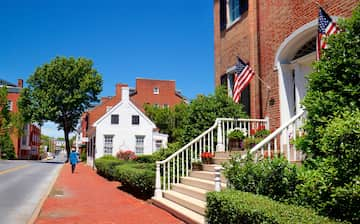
[[67, 143]]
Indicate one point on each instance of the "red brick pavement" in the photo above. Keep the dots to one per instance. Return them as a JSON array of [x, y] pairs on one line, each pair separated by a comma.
[[85, 197]]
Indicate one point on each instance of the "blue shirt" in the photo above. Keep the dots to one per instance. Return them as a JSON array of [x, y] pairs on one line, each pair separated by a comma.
[[73, 157]]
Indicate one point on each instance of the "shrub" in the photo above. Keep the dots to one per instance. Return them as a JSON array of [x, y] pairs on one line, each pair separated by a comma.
[[237, 134], [240, 207], [126, 155], [145, 159], [139, 178], [275, 178], [163, 153], [105, 166]]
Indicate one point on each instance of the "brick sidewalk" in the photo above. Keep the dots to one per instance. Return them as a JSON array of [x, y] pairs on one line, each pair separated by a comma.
[[85, 197]]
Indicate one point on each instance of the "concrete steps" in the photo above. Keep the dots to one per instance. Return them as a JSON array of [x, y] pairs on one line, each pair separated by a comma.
[[200, 183], [206, 175], [193, 192], [179, 211]]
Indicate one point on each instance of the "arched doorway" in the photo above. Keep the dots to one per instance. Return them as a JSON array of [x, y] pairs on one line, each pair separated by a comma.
[[293, 61]]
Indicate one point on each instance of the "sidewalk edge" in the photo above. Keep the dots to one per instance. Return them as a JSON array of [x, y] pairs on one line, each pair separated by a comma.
[[37, 210]]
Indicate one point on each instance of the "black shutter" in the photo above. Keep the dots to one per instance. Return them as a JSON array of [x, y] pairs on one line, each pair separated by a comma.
[[222, 14], [244, 5], [245, 99]]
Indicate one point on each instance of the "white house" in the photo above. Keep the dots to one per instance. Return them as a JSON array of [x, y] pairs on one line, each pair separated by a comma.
[[125, 127]]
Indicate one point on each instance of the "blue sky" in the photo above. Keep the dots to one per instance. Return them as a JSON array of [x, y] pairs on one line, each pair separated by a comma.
[[125, 39]]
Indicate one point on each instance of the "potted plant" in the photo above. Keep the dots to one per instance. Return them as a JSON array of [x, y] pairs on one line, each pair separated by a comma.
[[206, 157], [196, 165], [236, 137]]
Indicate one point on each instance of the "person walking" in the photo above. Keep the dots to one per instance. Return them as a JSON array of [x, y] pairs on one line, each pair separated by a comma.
[[73, 159]]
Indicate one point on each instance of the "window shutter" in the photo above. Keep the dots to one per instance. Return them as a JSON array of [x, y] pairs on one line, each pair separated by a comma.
[[244, 5], [222, 15]]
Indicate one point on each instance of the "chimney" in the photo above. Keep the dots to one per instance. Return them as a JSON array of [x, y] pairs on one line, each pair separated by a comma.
[[20, 83], [125, 93], [118, 89]]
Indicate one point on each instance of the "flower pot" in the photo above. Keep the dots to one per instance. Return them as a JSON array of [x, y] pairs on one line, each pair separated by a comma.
[[235, 144]]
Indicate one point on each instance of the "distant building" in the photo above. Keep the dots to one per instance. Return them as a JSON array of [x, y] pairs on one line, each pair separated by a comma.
[[27, 145], [123, 127]]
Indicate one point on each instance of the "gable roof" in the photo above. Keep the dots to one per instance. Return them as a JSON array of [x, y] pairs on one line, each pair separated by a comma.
[[108, 113], [6, 83]]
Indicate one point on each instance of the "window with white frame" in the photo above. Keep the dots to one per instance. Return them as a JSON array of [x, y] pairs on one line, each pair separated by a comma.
[[10, 105], [139, 144], [231, 11], [166, 105], [156, 90], [108, 144], [158, 144]]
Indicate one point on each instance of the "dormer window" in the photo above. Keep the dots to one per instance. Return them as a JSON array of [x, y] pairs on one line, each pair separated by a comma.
[[156, 90]]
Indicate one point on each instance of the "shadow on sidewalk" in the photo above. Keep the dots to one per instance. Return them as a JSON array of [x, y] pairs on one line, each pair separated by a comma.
[[137, 194]]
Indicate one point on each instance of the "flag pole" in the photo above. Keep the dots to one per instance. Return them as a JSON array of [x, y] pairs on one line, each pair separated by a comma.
[[261, 80]]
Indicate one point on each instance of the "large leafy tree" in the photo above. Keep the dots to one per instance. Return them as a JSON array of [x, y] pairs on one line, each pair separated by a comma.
[[335, 85], [6, 124], [60, 91]]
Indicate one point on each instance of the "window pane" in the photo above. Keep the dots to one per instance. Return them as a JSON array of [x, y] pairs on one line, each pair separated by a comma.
[[135, 119], [108, 144], [115, 119], [139, 145], [234, 8]]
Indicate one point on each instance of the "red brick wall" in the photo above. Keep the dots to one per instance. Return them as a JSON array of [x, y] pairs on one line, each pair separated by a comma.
[[144, 93], [14, 136], [276, 20]]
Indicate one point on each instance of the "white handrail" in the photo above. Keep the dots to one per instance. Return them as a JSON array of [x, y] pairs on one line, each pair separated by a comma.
[[275, 133], [189, 144]]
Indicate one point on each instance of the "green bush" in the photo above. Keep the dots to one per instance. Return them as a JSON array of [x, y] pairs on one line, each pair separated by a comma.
[[145, 159], [105, 166], [232, 207], [139, 177], [163, 153], [276, 178]]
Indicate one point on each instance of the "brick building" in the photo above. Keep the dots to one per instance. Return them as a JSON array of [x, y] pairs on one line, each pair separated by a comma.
[[161, 93], [27, 145], [278, 39]]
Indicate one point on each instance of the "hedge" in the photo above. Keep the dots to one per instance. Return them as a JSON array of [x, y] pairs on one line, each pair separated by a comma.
[[105, 166], [232, 206], [138, 177]]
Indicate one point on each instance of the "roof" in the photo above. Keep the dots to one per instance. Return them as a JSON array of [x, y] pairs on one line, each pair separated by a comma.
[[6, 83]]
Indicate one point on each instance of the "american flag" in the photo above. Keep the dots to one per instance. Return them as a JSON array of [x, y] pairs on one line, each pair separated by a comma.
[[243, 75], [325, 29]]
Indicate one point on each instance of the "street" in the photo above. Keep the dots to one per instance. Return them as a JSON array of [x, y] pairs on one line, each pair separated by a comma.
[[22, 186]]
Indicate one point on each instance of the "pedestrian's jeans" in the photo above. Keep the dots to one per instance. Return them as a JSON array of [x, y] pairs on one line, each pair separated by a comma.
[[73, 168]]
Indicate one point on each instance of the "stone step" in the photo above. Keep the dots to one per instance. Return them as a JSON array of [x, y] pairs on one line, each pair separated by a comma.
[[191, 191], [186, 201], [220, 161], [209, 167], [184, 214], [206, 175], [203, 184]]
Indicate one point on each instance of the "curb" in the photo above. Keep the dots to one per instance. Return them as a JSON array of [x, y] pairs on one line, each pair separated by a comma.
[[44, 197]]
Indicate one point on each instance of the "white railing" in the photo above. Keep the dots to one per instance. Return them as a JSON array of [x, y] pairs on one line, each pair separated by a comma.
[[281, 141], [170, 170]]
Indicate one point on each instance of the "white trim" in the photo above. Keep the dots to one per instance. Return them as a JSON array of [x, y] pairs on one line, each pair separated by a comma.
[[96, 123]]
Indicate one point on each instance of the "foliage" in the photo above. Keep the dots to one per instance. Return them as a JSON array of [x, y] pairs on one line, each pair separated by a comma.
[[262, 133], [126, 155], [60, 91], [163, 153], [203, 111], [240, 207], [6, 147], [275, 178], [139, 177], [236, 134], [105, 166], [83, 155], [145, 159], [334, 85], [169, 120]]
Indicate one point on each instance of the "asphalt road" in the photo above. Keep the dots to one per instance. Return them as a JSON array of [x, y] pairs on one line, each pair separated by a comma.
[[22, 186]]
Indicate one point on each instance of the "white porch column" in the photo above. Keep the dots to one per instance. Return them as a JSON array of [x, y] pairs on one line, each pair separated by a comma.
[[220, 145], [158, 193]]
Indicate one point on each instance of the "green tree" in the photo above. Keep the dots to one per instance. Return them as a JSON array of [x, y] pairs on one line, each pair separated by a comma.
[[203, 111], [9, 122], [60, 91], [334, 86]]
